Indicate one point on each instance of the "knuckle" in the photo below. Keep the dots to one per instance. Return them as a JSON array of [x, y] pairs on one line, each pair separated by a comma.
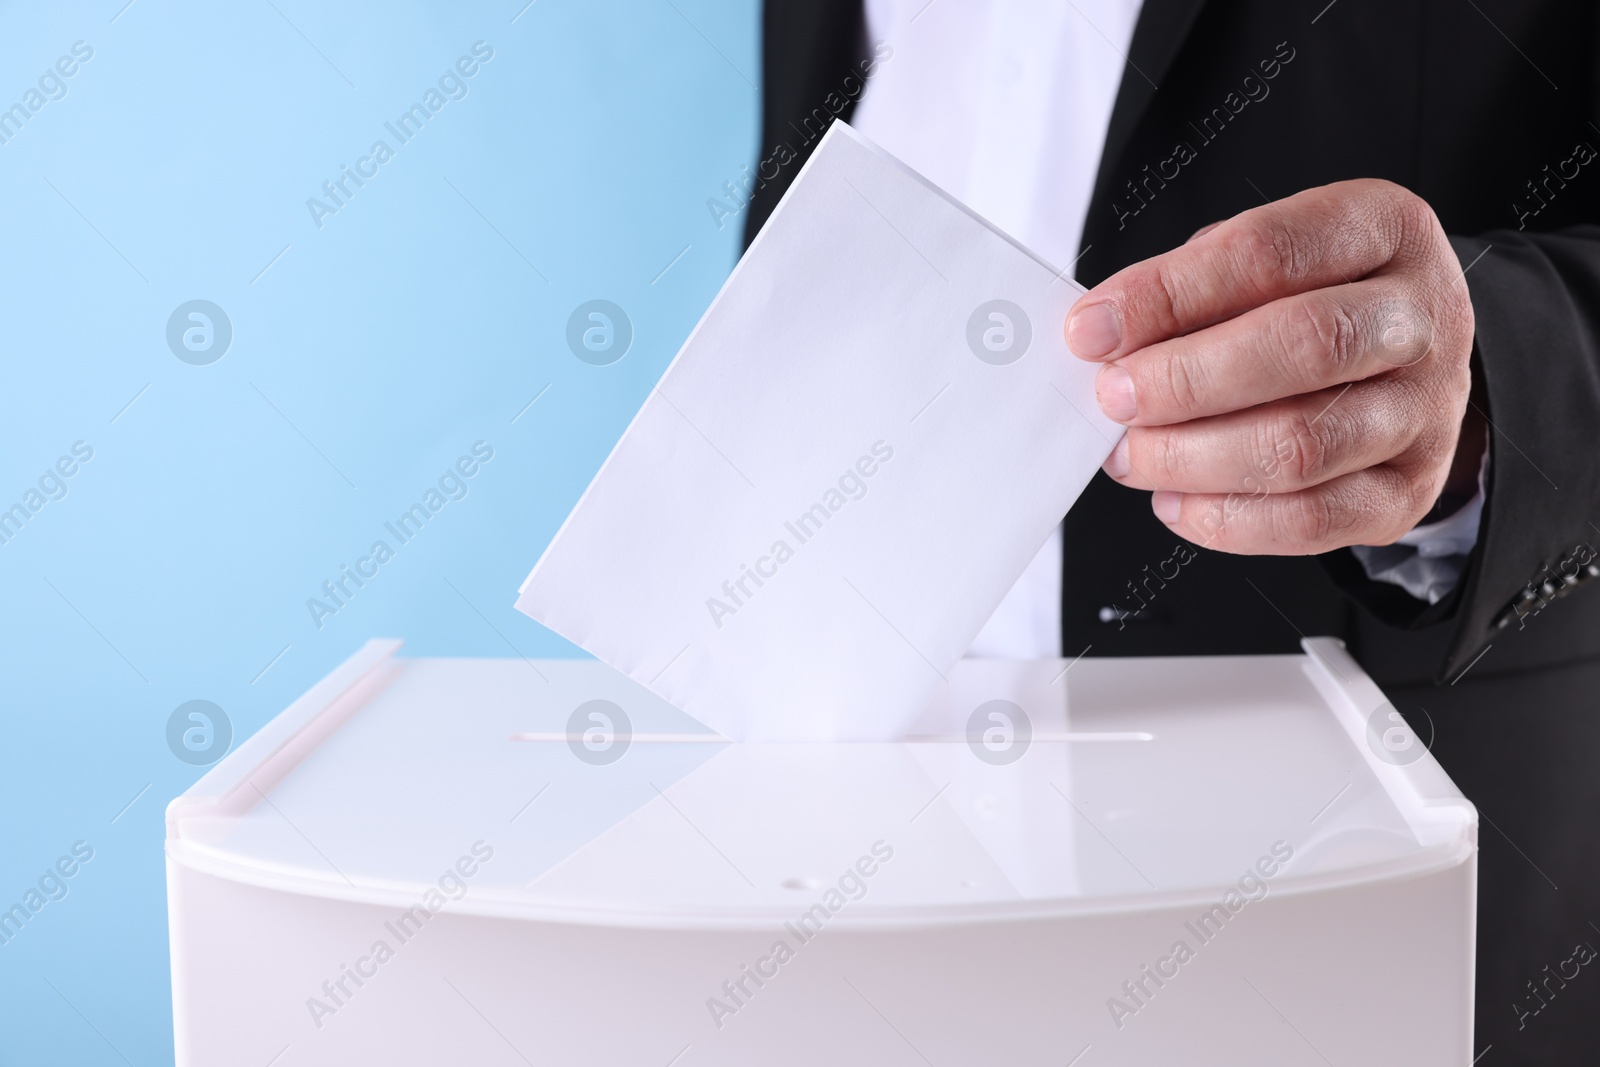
[[1167, 298], [1172, 458], [1271, 250], [1432, 413], [1404, 497], [1419, 493], [1300, 449], [1310, 520], [1182, 380], [1405, 333], [1395, 204], [1396, 196], [1433, 448], [1413, 226], [1330, 329], [1414, 212]]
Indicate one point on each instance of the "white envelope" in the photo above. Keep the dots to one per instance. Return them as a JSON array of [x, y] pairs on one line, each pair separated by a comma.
[[855, 454]]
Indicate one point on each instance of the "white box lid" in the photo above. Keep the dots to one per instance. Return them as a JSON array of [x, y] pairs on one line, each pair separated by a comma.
[[1145, 783]]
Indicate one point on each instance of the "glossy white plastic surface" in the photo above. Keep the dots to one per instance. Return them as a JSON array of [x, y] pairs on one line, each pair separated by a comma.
[[1123, 798]]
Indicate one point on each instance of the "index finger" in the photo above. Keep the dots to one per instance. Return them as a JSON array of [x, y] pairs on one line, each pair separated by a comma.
[[1321, 237]]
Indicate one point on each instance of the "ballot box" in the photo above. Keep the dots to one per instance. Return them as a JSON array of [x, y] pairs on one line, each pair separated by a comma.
[[1221, 860]]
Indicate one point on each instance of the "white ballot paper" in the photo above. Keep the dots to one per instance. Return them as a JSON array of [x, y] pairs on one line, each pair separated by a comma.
[[855, 454]]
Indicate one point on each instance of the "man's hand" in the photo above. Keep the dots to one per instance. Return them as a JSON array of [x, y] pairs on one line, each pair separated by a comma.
[[1293, 379]]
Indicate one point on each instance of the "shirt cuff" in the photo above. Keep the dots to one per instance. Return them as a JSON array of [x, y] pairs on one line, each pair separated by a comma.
[[1428, 561]]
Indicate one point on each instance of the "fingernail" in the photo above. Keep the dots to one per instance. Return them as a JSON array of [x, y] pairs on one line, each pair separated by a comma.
[[1094, 331], [1114, 390], [1116, 464], [1165, 503]]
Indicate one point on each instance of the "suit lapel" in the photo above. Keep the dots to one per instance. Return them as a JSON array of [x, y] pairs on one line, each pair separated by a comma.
[[1160, 32]]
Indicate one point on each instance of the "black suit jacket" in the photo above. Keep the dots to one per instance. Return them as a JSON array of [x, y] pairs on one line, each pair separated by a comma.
[[1486, 108], [1480, 110]]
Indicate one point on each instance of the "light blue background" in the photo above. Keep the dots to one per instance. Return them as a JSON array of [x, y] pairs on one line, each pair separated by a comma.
[[364, 361]]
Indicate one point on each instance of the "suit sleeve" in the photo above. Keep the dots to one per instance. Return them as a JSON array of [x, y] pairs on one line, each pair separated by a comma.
[[1536, 351]]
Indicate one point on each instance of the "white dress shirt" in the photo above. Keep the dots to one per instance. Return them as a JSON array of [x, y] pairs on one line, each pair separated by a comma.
[[1005, 105]]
